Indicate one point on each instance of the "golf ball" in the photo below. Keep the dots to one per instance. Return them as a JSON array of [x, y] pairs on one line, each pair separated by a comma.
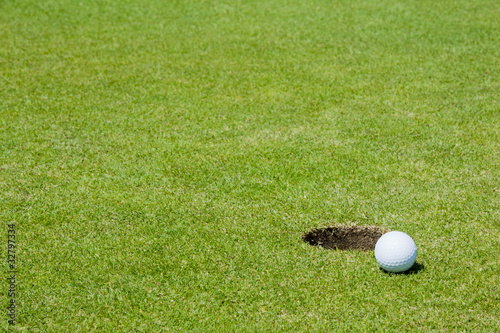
[[395, 251]]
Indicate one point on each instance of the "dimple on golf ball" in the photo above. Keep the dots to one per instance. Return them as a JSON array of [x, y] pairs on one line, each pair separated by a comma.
[[395, 251]]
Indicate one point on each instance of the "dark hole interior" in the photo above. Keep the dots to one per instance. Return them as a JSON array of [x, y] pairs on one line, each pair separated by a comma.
[[345, 237]]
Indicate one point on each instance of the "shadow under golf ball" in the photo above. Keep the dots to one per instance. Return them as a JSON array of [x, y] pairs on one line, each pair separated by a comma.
[[415, 269]]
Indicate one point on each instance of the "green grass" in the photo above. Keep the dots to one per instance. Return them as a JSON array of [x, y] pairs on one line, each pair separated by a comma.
[[161, 160]]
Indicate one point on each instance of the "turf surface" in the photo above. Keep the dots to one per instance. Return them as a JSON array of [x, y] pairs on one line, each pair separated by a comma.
[[162, 159]]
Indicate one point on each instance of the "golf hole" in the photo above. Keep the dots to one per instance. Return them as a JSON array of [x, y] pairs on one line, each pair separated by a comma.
[[345, 237]]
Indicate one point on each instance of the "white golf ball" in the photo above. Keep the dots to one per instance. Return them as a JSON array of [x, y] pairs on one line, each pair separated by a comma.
[[395, 251]]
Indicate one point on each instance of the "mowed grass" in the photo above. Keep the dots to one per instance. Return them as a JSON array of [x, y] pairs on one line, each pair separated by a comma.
[[161, 160]]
